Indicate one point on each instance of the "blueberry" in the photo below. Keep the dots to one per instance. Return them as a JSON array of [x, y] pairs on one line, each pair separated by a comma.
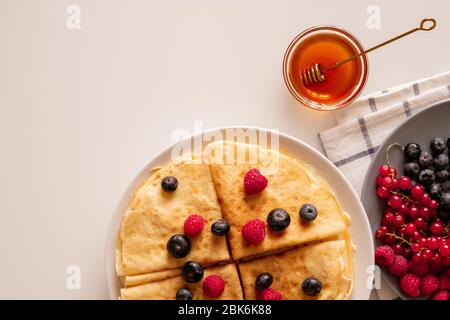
[[412, 151], [220, 228], [441, 176], [425, 159], [445, 200], [179, 246], [308, 212], [184, 294], [311, 286], [169, 184], [445, 186], [192, 272], [412, 169], [435, 191], [438, 145], [440, 162], [263, 281], [426, 176], [278, 219]]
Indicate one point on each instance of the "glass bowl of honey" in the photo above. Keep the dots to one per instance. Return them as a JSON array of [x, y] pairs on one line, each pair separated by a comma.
[[325, 45]]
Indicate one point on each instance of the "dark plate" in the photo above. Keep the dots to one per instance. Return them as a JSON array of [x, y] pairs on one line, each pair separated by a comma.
[[420, 128]]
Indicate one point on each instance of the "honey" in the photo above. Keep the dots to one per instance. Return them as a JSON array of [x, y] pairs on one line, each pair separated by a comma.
[[341, 85]]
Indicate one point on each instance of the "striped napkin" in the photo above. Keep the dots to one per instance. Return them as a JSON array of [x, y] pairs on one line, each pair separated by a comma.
[[363, 126]]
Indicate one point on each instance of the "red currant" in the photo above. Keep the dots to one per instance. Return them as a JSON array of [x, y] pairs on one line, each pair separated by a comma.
[[403, 210], [425, 199], [427, 254], [417, 192], [433, 205], [398, 249], [415, 247], [422, 242], [395, 183], [417, 257], [413, 213], [383, 193], [393, 172], [424, 213], [384, 170], [436, 228], [389, 218], [404, 183], [381, 232], [420, 223], [410, 228], [388, 183], [444, 250], [407, 253], [378, 180], [402, 231], [395, 201], [398, 221], [414, 236], [432, 243], [388, 240]]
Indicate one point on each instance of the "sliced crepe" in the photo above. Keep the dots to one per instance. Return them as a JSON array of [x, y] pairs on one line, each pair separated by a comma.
[[154, 216], [166, 289], [291, 185], [135, 280], [325, 261]]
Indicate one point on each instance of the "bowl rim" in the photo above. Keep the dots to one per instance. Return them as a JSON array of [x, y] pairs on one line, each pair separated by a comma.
[[114, 227], [354, 41]]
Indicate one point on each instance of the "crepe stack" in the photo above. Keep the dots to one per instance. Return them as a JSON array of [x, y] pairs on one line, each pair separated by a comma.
[[214, 189]]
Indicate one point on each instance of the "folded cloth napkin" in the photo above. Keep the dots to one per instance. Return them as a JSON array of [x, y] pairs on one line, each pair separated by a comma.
[[363, 126]]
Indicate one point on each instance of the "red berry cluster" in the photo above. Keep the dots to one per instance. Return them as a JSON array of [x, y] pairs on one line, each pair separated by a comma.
[[415, 242]]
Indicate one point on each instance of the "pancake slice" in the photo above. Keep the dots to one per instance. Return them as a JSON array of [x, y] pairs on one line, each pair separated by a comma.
[[154, 216], [135, 280], [325, 261], [166, 289], [290, 186]]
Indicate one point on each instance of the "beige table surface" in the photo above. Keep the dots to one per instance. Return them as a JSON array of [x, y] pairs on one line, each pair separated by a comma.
[[82, 111]]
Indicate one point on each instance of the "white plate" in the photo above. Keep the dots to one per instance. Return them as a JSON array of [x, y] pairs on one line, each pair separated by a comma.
[[359, 228]]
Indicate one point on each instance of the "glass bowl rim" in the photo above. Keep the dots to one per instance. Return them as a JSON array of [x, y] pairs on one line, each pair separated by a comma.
[[354, 41]]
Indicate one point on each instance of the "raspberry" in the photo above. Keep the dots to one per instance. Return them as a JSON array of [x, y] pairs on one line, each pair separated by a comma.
[[193, 225], [213, 286], [400, 266], [429, 283], [254, 231], [384, 256], [409, 283], [419, 268], [444, 281], [441, 295], [254, 182], [269, 294]]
